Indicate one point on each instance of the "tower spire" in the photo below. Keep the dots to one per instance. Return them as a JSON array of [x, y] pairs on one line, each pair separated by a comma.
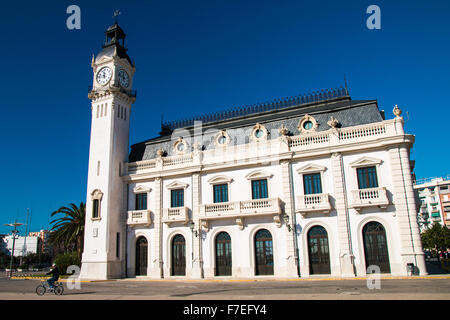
[[116, 14]]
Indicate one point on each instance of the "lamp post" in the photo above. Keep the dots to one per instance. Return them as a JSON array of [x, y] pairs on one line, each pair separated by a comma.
[[14, 232], [286, 221], [192, 226]]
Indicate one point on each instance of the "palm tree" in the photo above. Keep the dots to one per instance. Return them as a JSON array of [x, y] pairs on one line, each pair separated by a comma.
[[69, 230]]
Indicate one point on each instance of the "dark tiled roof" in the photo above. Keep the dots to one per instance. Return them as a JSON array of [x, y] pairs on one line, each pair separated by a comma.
[[348, 112]]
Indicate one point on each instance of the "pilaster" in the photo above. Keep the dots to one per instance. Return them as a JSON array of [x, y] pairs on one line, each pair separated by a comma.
[[197, 268], [291, 252], [156, 265], [346, 257], [405, 207]]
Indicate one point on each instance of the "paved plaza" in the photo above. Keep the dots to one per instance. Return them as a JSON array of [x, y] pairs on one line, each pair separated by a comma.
[[419, 288]]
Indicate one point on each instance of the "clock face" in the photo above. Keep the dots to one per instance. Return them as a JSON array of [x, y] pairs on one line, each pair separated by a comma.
[[104, 75], [124, 79]]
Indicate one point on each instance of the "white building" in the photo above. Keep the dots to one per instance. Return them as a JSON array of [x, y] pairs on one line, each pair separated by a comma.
[[22, 245], [314, 184], [433, 197]]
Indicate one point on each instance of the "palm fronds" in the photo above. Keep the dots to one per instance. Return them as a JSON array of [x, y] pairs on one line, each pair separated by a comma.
[[69, 229]]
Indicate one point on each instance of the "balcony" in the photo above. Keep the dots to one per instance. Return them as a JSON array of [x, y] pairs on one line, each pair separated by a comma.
[[313, 203], [241, 209], [177, 214], [370, 197], [139, 217]]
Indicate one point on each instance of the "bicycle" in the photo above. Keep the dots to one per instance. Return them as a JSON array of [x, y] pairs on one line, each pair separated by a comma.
[[41, 289]]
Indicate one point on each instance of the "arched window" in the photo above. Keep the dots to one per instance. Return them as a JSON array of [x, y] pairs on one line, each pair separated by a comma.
[[375, 246], [141, 256], [223, 254], [319, 256], [178, 256], [96, 196], [263, 253]]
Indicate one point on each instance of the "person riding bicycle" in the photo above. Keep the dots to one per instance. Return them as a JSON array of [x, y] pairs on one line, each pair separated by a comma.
[[54, 271]]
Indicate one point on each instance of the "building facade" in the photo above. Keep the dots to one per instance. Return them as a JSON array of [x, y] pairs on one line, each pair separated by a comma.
[[433, 198], [22, 245], [44, 246], [309, 185]]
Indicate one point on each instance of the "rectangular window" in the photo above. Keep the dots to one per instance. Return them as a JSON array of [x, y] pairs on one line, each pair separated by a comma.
[[367, 177], [221, 193], [118, 244], [312, 183], [177, 198], [95, 204], [141, 201], [259, 189]]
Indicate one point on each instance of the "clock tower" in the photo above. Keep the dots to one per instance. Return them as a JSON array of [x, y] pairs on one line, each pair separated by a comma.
[[111, 98]]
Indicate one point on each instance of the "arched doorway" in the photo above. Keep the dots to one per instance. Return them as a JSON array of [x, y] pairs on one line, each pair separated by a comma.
[[141, 256], [318, 251], [178, 256], [375, 246], [263, 253], [223, 254]]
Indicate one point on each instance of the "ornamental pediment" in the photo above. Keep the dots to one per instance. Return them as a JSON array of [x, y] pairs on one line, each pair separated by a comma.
[[259, 174], [311, 167], [141, 189], [220, 179], [366, 161], [177, 185]]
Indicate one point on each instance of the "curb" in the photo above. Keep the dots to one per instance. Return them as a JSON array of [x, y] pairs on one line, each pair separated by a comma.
[[60, 280], [243, 280], [284, 279]]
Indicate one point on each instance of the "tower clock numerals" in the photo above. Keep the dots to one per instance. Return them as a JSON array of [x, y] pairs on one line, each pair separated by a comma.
[[104, 75], [124, 79]]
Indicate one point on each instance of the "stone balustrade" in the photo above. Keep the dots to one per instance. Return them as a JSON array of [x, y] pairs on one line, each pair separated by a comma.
[[139, 217], [177, 214], [370, 197], [271, 147], [309, 203]]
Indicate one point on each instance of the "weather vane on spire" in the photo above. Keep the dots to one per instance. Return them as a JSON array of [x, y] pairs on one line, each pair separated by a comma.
[[116, 14]]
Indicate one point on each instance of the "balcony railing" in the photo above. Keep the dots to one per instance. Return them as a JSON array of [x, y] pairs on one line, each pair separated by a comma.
[[240, 210], [139, 217], [240, 152], [371, 197], [310, 203], [114, 87], [178, 214]]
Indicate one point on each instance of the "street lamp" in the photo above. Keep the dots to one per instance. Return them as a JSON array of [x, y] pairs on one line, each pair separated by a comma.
[[192, 226], [14, 232], [286, 221]]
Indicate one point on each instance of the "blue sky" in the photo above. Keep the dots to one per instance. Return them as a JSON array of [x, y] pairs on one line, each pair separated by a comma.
[[194, 57]]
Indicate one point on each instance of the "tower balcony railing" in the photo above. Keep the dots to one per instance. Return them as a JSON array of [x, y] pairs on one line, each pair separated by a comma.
[[240, 210], [177, 214], [114, 87], [139, 217], [313, 203], [370, 197]]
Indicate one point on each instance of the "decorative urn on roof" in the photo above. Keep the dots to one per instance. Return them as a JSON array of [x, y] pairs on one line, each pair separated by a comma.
[[397, 111]]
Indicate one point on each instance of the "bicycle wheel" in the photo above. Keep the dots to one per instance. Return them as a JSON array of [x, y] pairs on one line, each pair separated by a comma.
[[40, 290], [59, 290]]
